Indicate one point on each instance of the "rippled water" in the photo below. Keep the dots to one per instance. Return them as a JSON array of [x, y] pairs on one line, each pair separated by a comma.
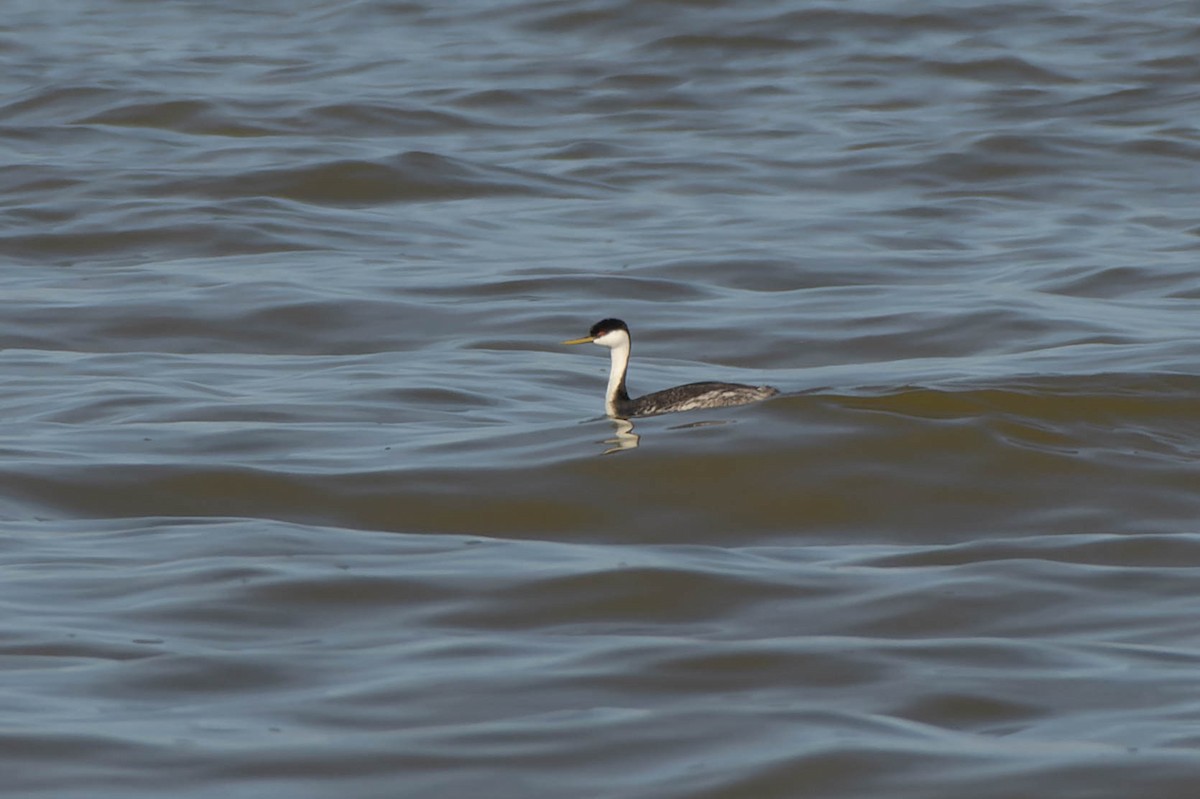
[[299, 496]]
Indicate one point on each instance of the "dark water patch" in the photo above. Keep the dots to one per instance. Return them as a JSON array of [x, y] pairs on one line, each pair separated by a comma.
[[978, 712], [603, 289], [1100, 401], [1130, 551], [642, 80], [1006, 70], [263, 318], [34, 652], [205, 240], [962, 765], [1120, 103], [384, 118], [422, 504], [189, 677], [409, 177], [726, 44], [1170, 148], [994, 160], [191, 116], [18, 181], [51, 104], [749, 274], [498, 100], [620, 597]]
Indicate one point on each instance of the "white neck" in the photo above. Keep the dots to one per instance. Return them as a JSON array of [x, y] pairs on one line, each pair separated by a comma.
[[616, 375]]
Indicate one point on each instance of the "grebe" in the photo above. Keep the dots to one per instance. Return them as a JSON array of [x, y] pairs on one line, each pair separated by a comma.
[[614, 334]]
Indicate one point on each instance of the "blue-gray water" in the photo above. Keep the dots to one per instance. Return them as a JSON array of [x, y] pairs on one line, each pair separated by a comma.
[[300, 497]]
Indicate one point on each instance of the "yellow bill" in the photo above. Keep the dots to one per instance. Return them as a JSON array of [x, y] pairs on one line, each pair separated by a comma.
[[584, 340]]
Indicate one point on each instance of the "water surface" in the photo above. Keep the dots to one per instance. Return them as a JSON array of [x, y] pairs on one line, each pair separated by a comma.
[[300, 496]]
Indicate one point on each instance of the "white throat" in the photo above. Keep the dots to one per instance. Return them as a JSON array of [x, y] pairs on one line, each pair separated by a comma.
[[616, 375], [617, 342]]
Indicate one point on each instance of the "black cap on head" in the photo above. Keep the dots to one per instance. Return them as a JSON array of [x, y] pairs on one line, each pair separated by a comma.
[[607, 326]]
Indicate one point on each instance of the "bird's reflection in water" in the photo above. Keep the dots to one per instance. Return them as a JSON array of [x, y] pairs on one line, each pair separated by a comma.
[[624, 438]]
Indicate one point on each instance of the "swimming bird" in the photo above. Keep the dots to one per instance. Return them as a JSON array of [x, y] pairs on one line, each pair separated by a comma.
[[614, 334]]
